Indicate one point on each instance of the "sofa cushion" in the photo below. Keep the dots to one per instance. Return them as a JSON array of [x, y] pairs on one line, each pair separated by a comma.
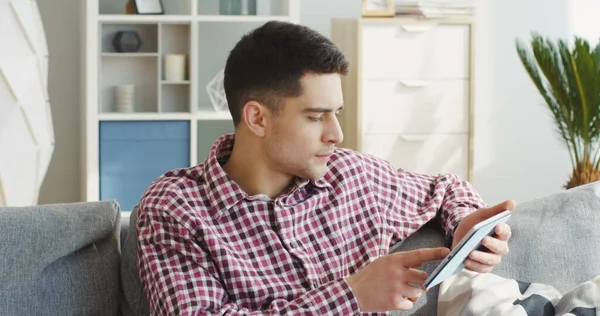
[[430, 235], [134, 302], [60, 259], [556, 239]]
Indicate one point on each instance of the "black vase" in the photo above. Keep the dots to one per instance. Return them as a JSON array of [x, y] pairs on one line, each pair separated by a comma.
[[127, 42]]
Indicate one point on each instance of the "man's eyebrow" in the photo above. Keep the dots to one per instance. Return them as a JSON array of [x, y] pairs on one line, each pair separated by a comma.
[[320, 110]]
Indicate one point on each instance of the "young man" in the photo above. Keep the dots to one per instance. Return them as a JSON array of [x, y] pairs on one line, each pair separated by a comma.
[[276, 220]]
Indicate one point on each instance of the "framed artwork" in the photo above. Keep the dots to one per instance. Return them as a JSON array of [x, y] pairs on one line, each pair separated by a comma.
[[378, 8], [149, 7]]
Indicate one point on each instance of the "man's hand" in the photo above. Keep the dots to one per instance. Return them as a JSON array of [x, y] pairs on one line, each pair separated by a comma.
[[497, 244], [385, 284]]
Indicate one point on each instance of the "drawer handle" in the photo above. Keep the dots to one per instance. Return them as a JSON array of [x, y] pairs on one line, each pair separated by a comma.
[[417, 28], [415, 138], [414, 83]]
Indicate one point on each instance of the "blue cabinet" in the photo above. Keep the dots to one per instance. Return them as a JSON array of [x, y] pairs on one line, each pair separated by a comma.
[[135, 153]]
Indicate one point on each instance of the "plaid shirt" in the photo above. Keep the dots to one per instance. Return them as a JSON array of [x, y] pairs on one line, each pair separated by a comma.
[[206, 247]]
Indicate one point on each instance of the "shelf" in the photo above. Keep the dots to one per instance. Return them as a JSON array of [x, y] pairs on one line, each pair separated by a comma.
[[212, 115], [175, 82], [137, 116], [134, 18], [129, 54], [139, 72], [148, 116], [239, 18], [175, 98]]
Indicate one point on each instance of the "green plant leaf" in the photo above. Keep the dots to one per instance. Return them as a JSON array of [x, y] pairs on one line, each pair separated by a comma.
[[568, 79]]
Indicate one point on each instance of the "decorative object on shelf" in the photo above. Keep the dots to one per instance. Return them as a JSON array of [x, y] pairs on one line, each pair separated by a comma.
[[216, 91], [378, 8], [127, 42], [149, 7], [436, 8], [237, 7], [130, 7], [125, 98], [26, 129], [174, 67], [567, 75]]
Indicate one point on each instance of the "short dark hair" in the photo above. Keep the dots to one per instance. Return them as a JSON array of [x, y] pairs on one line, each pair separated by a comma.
[[267, 63]]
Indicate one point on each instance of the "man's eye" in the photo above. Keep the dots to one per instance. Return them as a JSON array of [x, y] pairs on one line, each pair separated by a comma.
[[338, 114], [316, 118]]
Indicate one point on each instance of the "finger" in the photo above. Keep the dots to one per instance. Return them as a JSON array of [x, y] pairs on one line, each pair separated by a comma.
[[415, 276], [414, 299], [495, 245], [417, 257], [477, 266], [488, 212], [404, 305], [486, 258], [416, 265], [408, 290], [503, 231]]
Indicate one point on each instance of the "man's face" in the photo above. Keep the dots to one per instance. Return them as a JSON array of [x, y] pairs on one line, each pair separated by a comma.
[[302, 136]]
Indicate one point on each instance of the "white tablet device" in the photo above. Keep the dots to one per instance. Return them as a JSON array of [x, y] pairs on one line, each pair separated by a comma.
[[454, 261]]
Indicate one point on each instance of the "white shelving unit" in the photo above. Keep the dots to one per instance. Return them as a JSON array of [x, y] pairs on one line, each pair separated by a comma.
[[194, 28]]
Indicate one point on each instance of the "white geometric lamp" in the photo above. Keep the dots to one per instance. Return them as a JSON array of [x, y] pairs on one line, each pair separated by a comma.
[[26, 131], [216, 91]]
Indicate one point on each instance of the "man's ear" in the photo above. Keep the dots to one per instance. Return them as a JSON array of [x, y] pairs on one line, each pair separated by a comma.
[[255, 115]]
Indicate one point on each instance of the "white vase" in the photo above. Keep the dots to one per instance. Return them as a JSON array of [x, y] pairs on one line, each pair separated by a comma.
[[174, 67], [125, 98], [26, 129]]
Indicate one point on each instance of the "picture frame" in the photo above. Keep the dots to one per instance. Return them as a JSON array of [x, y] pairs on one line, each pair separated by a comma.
[[378, 8], [149, 7]]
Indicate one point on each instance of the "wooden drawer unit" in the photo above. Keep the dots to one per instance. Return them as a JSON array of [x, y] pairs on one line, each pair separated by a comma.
[[415, 106], [420, 50], [430, 154], [408, 96]]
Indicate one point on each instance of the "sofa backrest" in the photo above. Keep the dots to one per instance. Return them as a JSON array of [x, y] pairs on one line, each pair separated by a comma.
[[60, 259], [555, 239], [134, 301]]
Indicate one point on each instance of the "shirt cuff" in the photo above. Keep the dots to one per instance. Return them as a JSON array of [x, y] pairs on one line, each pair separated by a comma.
[[452, 222]]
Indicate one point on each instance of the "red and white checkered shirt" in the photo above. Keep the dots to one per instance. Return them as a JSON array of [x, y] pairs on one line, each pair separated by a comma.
[[208, 248]]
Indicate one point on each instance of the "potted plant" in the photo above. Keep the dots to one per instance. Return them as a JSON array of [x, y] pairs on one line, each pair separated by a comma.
[[568, 78]]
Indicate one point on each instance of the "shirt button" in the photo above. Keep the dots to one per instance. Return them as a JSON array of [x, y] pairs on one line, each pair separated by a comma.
[[293, 244], [315, 284]]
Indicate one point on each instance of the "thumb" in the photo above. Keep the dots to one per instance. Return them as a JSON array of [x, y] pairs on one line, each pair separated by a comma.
[[498, 208]]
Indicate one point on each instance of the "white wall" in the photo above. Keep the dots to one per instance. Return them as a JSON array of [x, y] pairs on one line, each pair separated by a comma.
[[518, 155], [586, 23], [62, 25]]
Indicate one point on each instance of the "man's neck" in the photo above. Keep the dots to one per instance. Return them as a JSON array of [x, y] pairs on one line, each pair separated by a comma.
[[250, 169]]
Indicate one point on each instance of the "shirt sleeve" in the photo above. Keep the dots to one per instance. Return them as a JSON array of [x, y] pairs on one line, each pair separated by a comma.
[[410, 199], [179, 277]]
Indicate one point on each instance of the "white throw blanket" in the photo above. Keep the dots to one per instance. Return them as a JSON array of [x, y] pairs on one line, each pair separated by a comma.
[[486, 294]]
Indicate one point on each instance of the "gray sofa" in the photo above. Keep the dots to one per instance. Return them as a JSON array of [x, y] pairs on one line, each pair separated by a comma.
[[78, 259]]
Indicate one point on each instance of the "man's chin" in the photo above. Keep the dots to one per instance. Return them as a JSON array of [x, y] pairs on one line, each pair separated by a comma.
[[315, 173]]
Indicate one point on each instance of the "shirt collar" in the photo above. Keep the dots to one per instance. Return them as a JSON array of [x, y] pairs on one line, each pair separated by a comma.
[[224, 193]]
